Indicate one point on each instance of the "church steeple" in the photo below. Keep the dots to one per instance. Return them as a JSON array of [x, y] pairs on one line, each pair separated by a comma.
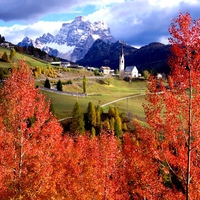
[[121, 63], [122, 51]]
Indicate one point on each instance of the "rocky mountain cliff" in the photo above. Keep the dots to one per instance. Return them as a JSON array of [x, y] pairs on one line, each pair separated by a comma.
[[73, 40], [151, 57]]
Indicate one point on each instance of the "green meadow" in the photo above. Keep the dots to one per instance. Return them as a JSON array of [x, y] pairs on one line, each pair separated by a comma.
[[30, 60], [129, 97]]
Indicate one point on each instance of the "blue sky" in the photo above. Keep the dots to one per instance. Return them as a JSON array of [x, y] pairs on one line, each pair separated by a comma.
[[137, 22]]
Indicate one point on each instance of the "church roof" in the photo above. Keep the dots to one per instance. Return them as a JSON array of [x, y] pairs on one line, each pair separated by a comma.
[[129, 68]]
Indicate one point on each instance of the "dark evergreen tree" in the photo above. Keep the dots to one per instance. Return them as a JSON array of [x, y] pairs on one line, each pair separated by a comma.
[[84, 84], [47, 83], [69, 82], [98, 119], [117, 124], [59, 85], [77, 125], [1, 74], [91, 116], [2, 39]]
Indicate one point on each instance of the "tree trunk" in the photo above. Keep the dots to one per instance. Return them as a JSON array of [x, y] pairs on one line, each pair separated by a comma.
[[189, 136]]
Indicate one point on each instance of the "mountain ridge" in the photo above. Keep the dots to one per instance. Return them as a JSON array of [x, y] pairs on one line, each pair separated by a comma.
[[91, 44], [149, 57], [73, 39]]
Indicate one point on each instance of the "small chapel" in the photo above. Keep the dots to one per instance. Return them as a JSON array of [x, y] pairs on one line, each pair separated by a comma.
[[128, 71]]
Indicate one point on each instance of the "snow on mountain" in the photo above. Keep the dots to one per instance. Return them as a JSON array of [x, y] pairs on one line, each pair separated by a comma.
[[73, 40], [27, 42]]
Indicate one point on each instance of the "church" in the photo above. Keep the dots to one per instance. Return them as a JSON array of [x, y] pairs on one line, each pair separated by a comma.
[[129, 71]]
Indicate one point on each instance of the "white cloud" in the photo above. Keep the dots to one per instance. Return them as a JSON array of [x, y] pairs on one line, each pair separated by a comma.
[[102, 14], [16, 33], [45, 27], [163, 40], [137, 22], [170, 3]]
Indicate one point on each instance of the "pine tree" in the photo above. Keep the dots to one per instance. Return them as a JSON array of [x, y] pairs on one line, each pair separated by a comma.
[[59, 85], [98, 119], [47, 83], [78, 125], [2, 39], [84, 84], [91, 116]]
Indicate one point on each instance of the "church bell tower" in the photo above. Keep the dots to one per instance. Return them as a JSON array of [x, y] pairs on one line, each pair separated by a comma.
[[121, 63]]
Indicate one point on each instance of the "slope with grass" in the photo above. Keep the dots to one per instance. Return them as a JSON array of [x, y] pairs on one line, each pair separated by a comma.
[[100, 90], [101, 94], [30, 60]]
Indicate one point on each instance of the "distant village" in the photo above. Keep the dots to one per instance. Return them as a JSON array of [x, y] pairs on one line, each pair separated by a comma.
[[6, 45], [128, 72], [123, 72]]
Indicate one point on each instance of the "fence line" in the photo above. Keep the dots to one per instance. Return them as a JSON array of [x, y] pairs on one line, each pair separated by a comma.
[[64, 93]]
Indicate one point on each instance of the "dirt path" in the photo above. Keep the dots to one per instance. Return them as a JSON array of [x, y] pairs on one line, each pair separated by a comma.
[[135, 95]]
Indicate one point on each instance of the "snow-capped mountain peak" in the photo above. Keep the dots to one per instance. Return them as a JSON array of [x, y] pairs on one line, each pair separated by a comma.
[[73, 39], [27, 41]]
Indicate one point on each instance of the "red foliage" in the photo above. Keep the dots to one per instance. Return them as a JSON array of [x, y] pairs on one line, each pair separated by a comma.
[[161, 161], [29, 139], [172, 135], [93, 168], [142, 170]]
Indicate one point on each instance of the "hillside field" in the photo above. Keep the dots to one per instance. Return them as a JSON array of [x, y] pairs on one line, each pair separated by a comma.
[[30, 60], [100, 90], [129, 95]]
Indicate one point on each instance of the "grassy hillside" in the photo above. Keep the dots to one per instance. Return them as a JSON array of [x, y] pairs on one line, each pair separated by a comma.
[[31, 61], [100, 90], [101, 94]]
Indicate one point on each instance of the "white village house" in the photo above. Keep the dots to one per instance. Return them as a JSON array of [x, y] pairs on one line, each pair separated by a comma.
[[105, 70]]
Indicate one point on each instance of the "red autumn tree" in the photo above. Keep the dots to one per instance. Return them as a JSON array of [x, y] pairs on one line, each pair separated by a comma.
[[29, 139], [173, 115], [93, 168], [142, 172]]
